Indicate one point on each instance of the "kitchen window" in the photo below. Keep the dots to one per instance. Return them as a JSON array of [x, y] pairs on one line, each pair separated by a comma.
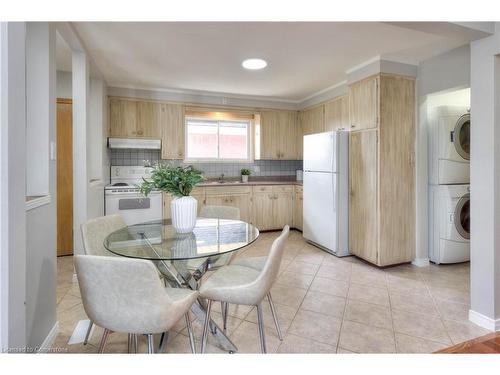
[[212, 139]]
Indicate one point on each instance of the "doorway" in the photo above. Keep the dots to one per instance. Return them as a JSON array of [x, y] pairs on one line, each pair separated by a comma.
[[64, 177]]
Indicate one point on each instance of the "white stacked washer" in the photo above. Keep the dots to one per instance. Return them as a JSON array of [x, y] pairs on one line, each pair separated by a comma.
[[449, 192]]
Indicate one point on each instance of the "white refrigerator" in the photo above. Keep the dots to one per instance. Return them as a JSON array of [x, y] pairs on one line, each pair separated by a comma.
[[326, 191]]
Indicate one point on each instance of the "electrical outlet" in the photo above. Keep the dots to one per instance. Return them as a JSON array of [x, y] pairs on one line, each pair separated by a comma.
[[256, 169]]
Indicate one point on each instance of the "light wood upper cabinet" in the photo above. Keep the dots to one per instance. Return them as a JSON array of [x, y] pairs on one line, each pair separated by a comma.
[[122, 118], [364, 103], [337, 114], [382, 178], [269, 135], [363, 210], [148, 119], [278, 134], [172, 131], [130, 118], [312, 120], [289, 130]]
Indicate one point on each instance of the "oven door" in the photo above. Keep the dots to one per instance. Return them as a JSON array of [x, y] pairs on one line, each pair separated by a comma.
[[133, 207]]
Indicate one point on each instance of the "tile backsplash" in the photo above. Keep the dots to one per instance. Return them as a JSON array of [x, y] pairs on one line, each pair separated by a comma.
[[258, 167]]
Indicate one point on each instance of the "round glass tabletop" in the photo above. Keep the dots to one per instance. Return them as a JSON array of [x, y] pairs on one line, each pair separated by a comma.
[[158, 240]]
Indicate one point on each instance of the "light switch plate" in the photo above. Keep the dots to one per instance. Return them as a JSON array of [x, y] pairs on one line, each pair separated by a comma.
[[53, 151]]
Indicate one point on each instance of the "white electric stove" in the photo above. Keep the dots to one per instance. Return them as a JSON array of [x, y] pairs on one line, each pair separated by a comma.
[[122, 196]]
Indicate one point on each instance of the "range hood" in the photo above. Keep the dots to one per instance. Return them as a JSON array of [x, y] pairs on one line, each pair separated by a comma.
[[139, 143]]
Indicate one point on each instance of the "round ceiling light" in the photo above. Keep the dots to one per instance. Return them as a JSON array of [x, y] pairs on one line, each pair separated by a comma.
[[254, 64]]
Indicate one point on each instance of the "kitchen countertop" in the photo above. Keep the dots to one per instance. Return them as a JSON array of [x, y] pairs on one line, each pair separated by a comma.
[[278, 180]]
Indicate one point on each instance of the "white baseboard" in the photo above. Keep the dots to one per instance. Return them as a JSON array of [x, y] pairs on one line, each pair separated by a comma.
[[49, 340], [420, 262], [483, 321]]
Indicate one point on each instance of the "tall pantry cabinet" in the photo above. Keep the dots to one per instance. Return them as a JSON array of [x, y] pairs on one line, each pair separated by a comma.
[[382, 169]]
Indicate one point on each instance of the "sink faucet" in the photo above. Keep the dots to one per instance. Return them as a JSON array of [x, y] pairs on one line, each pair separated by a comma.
[[221, 178]]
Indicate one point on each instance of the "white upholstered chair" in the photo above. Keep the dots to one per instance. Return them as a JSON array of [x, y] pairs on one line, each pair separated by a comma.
[[127, 295], [94, 232], [226, 213], [245, 286]]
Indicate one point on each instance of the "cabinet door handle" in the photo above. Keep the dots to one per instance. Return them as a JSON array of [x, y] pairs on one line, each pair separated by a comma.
[[140, 132]]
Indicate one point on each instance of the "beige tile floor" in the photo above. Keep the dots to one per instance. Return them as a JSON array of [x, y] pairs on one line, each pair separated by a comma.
[[325, 304]]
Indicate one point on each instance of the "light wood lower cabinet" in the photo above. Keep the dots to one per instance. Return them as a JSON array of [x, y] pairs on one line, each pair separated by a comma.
[[234, 196], [272, 206], [363, 212], [262, 210], [268, 207], [298, 208]]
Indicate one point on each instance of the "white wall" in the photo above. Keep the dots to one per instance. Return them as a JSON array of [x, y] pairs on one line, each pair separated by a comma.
[[90, 153], [38, 107], [64, 85], [446, 71], [97, 150], [485, 182], [41, 223], [12, 187]]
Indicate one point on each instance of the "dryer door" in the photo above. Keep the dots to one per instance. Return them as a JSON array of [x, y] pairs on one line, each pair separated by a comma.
[[462, 216], [460, 136]]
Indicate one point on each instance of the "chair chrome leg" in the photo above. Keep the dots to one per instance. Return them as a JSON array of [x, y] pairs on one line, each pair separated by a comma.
[[205, 326], [88, 333], [190, 332], [103, 340], [261, 329], [151, 348], [224, 309], [134, 343], [129, 343], [275, 316], [163, 342]]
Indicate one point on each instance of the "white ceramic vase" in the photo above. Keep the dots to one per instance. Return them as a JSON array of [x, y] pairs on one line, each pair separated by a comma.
[[244, 178], [184, 211]]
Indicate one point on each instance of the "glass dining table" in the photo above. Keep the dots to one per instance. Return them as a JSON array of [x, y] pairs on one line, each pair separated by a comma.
[[183, 259]]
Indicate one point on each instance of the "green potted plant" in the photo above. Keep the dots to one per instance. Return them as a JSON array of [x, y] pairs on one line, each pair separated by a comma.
[[178, 181], [245, 172]]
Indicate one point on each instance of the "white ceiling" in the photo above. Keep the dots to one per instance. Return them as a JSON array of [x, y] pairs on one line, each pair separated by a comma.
[[303, 58], [63, 54]]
